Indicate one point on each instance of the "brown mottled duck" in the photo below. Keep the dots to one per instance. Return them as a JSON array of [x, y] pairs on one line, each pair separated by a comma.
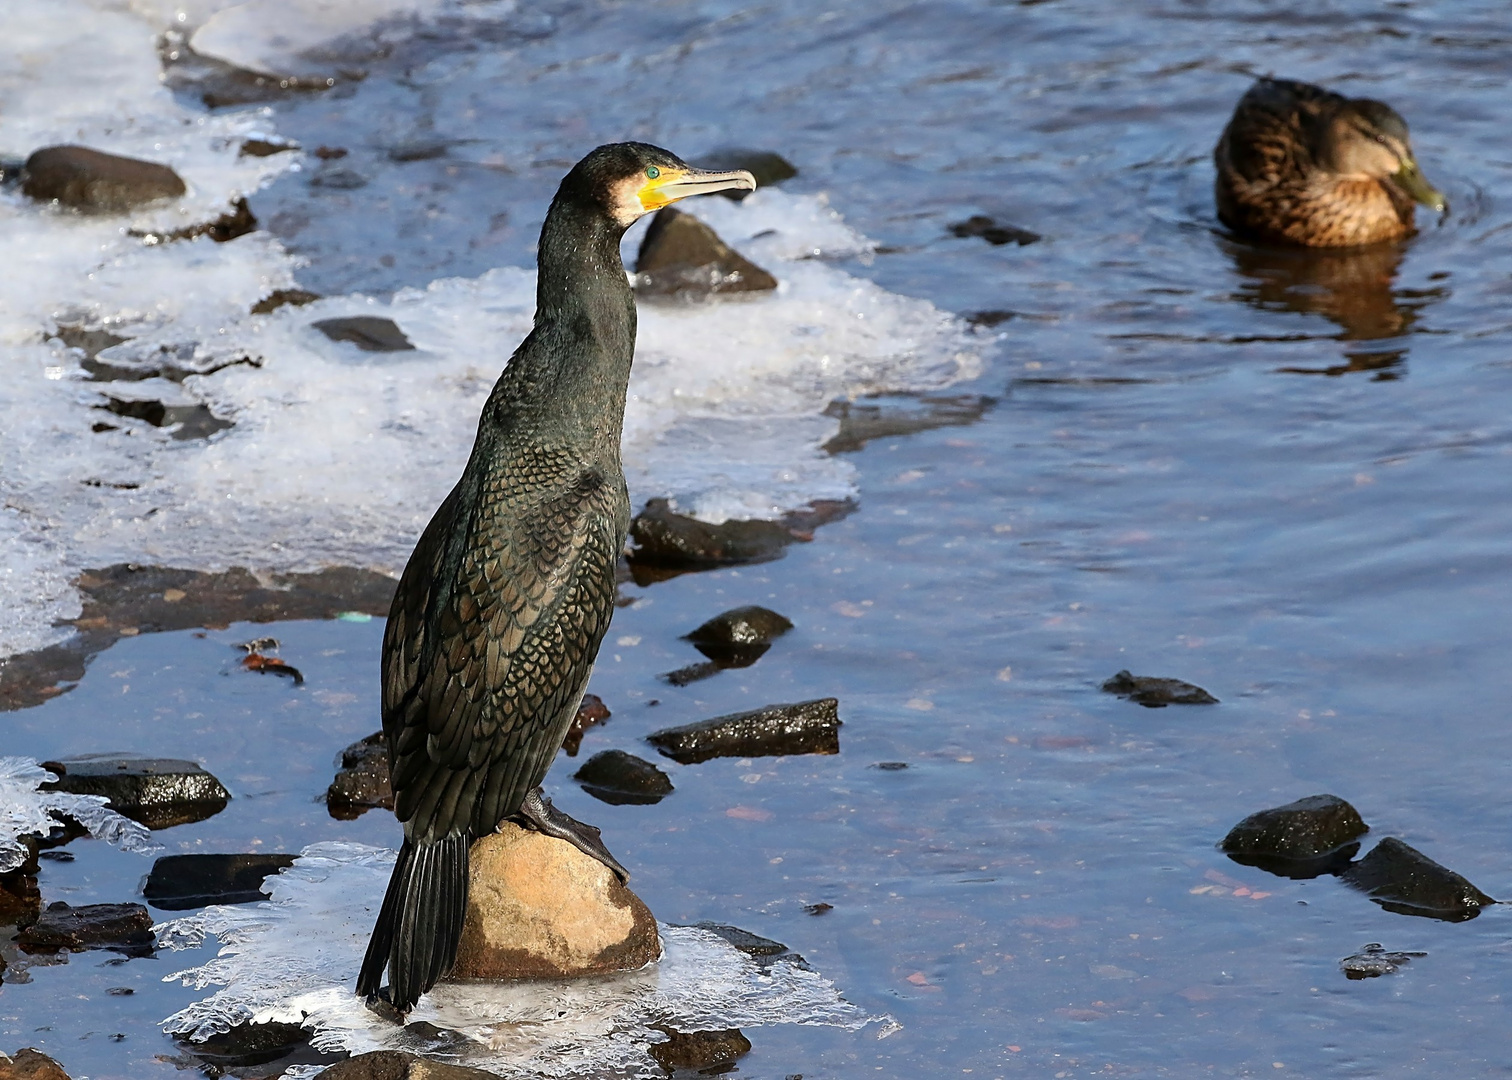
[[1298, 164]]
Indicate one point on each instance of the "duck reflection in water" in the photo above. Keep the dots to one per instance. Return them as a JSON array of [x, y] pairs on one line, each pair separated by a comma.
[[1351, 287]]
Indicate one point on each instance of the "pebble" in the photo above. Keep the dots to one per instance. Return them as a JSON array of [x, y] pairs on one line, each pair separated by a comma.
[[699, 1051], [97, 182], [665, 538], [1405, 881], [806, 727], [681, 256], [990, 231], [368, 332], [618, 778], [1157, 693], [281, 297], [181, 882], [738, 637], [158, 792], [1374, 961], [1303, 839]]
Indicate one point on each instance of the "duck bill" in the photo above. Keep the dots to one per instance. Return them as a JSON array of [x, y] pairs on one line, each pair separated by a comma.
[[675, 184], [1412, 182]]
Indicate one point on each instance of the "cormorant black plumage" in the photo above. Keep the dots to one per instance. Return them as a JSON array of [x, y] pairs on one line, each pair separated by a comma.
[[500, 611]]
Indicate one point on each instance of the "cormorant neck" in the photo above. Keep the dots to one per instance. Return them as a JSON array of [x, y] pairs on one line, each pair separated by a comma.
[[578, 261]]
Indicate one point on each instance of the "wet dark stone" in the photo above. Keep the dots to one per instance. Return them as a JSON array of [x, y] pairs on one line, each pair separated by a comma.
[[1374, 961], [419, 150], [990, 231], [181, 882], [238, 221], [118, 927], [368, 332], [698, 1051], [692, 673], [745, 941], [680, 255], [890, 415], [249, 1046], [363, 781], [339, 179], [1156, 693], [97, 182], [188, 421], [279, 297], [397, 1065], [591, 711], [990, 318], [90, 342], [264, 148], [613, 776], [56, 856], [120, 991], [330, 153], [807, 727], [769, 168], [664, 537], [891, 766], [1303, 839], [820, 908], [221, 85], [1405, 881], [732, 636], [20, 899], [158, 792], [30, 1064]]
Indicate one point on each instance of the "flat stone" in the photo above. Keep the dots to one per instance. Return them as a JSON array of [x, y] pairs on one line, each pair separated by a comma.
[[94, 181], [119, 927], [806, 727], [1303, 839], [738, 637], [397, 1065], [1373, 961], [591, 711], [181, 882], [1405, 881], [265, 147], [767, 166], [249, 1046], [1156, 693], [698, 1050], [680, 255], [538, 908], [30, 1064], [188, 421], [281, 297], [989, 230], [885, 416], [158, 792], [368, 332], [615, 777], [664, 537], [363, 781]]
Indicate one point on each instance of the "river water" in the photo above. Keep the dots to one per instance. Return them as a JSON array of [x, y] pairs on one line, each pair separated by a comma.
[[1282, 477]]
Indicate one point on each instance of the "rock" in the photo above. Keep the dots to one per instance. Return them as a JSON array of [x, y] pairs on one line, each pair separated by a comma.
[[807, 727], [363, 781], [664, 537], [767, 167], [763, 950], [889, 415], [265, 147], [1155, 693], [820, 908], [889, 766], [591, 711], [990, 231], [189, 421], [1303, 839], [1405, 881], [692, 673], [615, 777], [180, 882], [698, 1050], [680, 255], [97, 182], [397, 1065], [738, 637], [20, 899], [368, 332], [238, 221], [279, 297], [538, 908], [1373, 961], [158, 792], [339, 179], [118, 927], [248, 1046], [30, 1064]]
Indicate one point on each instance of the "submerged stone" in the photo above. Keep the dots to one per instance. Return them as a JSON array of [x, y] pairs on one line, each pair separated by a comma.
[[806, 727], [591, 711], [397, 1065], [181, 882], [189, 421], [368, 332], [763, 950], [95, 181], [1405, 881], [680, 255], [889, 415], [235, 222], [29, 1064], [538, 908], [615, 777], [1374, 961], [738, 637], [768, 167], [666, 538], [698, 1051], [158, 792], [281, 297], [1303, 839], [118, 927], [20, 898], [989, 230], [1157, 693], [249, 1046], [363, 781]]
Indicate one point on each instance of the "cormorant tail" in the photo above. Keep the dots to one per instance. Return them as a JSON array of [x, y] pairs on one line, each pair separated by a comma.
[[420, 922]]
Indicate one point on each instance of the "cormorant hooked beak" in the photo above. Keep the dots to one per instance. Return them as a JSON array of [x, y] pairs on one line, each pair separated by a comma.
[[670, 185], [1413, 183]]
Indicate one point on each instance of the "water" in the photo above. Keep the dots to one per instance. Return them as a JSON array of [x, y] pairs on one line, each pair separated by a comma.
[[1281, 478]]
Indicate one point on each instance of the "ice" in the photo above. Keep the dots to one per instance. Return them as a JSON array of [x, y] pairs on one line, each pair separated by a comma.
[[295, 958], [25, 810]]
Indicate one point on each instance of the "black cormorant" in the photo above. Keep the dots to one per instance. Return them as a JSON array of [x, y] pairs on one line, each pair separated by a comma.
[[502, 606]]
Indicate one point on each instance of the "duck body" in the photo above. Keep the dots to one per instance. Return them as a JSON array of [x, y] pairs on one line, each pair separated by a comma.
[[1298, 164]]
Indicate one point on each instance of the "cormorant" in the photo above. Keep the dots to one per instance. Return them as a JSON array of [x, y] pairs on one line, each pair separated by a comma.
[[501, 608], [1298, 164]]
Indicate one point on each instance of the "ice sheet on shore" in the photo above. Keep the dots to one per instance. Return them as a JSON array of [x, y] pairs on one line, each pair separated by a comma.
[[26, 810], [294, 959]]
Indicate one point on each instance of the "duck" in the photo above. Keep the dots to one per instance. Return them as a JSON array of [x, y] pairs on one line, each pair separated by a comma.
[[1301, 165]]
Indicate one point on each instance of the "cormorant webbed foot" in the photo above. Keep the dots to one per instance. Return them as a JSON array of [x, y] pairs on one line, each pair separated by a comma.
[[538, 813]]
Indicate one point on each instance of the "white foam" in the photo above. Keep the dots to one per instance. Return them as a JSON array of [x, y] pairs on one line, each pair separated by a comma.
[[26, 810], [295, 958]]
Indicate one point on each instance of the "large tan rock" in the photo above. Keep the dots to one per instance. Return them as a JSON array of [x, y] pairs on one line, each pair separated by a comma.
[[539, 908], [30, 1064], [396, 1065]]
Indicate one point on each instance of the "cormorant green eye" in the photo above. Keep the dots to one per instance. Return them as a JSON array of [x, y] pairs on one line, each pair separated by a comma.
[[652, 172]]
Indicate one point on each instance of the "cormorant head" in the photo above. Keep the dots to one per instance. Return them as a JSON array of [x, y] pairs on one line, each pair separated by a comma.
[[1369, 138], [630, 179]]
